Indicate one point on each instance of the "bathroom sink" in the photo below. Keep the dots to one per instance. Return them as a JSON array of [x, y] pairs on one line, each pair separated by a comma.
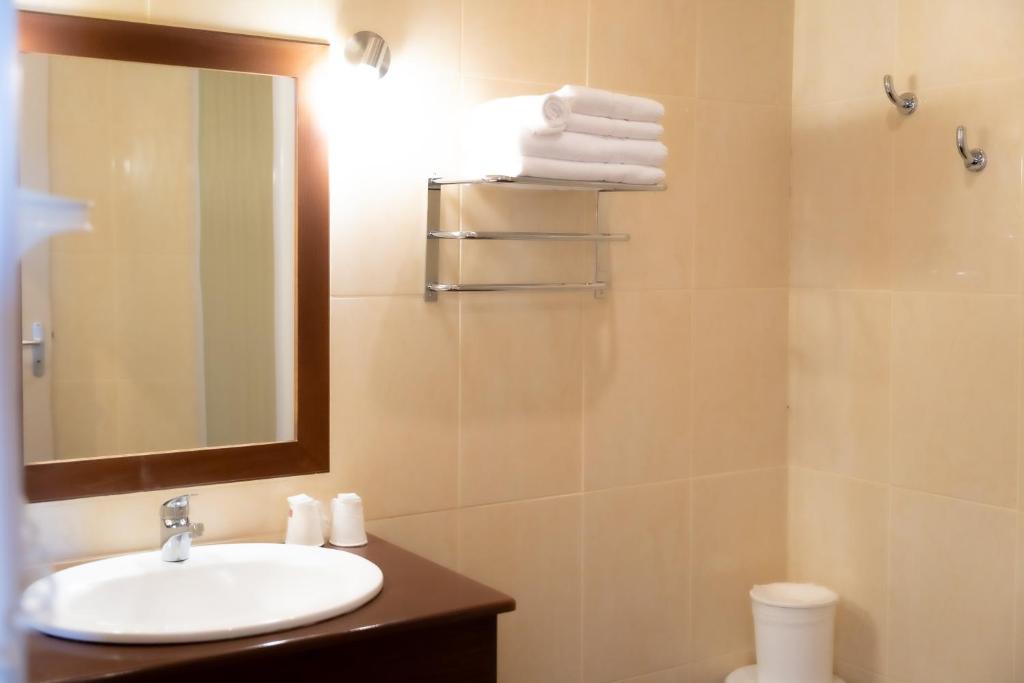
[[220, 592]]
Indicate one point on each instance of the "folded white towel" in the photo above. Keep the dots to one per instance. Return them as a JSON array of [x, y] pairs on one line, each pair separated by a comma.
[[486, 141], [539, 114], [583, 100], [535, 167], [615, 128]]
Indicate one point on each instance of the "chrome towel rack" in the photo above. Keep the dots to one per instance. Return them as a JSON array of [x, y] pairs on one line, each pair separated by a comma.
[[599, 284], [530, 236]]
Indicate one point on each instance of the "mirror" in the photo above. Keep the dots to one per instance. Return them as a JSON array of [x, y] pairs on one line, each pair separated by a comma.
[[170, 324], [169, 333]]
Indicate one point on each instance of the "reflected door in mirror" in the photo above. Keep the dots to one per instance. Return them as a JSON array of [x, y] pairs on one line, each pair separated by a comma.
[[170, 325]]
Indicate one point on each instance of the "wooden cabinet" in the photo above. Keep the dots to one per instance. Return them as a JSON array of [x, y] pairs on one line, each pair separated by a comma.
[[428, 625]]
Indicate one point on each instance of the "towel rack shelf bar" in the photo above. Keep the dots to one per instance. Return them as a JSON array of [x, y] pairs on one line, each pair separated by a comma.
[[531, 183], [525, 287], [539, 236], [599, 241]]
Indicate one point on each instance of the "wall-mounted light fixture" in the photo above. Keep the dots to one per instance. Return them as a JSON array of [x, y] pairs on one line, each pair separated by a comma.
[[368, 50]]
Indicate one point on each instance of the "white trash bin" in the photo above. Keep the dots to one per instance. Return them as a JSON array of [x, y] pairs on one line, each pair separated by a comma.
[[793, 629]]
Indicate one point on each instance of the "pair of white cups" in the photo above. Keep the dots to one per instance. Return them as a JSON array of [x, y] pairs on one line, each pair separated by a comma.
[[308, 524]]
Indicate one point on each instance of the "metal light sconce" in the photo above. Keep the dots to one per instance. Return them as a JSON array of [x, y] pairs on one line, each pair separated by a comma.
[[368, 50]]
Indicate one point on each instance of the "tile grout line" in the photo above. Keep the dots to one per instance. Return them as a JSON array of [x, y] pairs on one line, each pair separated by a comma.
[[586, 43], [1015, 663], [892, 291], [582, 476], [691, 389], [897, 487], [570, 494], [628, 290], [692, 281], [690, 494], [459, 554], [1015, 627], [890, 353]]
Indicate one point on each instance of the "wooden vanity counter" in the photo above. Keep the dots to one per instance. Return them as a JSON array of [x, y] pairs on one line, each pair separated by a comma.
[[428, 624]]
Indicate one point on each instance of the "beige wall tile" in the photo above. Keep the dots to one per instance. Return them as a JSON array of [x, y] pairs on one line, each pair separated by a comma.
[[394, 402], [531, 551], [154, 163], [636, 378], [643, 46], [420, 33], [522, 378], [739, 531], [382, 151], [80, 114], [839, 411], [715, 669], [841, 49], [301, 18], [383, 147], [951, 593], [739, 380], [842, 193], [744, 50], [955, 392], [86, 351], [742, 225], [434, 535], [838, 537], [156, 346], [635, 572], [953, 229], [660, 224], [155, 416], [532, 40], [87, 411], [931, 33]]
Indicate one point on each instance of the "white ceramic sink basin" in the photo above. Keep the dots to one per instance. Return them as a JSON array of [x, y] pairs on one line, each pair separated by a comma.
[[220, 592]]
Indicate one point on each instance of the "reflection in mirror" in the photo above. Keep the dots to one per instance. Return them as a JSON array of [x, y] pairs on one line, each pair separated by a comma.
[[171, 324]]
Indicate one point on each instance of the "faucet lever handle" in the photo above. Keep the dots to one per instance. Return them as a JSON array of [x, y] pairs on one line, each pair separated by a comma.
[[176, 508]]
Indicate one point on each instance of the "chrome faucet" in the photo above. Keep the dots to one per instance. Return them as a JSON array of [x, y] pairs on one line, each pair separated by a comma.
[[176, 531]]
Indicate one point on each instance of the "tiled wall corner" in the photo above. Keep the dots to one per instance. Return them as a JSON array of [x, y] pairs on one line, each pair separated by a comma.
[[905, 336]]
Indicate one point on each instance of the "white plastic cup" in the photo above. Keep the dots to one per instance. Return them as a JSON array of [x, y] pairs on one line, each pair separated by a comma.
[[305, 521], [793, 630], [348, 529]]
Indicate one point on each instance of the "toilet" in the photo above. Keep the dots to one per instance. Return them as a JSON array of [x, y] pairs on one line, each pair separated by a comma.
[[793, 629]]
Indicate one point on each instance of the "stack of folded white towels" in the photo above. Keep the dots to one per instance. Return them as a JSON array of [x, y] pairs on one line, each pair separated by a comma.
[[575, 133]]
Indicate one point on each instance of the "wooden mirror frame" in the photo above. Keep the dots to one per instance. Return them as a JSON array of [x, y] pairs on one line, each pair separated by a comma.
[[58, 34]]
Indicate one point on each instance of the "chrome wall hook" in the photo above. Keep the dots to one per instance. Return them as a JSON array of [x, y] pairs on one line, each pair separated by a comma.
[[906, 102], [974, 159]]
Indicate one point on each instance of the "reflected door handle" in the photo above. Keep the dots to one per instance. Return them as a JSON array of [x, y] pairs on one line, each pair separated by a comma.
[[38, 346]]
